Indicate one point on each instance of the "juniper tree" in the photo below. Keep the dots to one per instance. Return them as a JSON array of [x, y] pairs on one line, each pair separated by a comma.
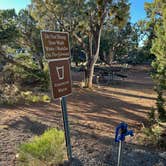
[[84, 20], [157, 14], [8, 29]]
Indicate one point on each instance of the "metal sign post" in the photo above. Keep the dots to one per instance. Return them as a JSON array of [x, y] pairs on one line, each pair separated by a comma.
[[119, 153], [66, 127], [120, 134]]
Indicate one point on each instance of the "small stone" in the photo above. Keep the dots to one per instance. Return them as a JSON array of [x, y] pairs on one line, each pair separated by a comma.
[[4, 126], [17, 155], [163, 155]]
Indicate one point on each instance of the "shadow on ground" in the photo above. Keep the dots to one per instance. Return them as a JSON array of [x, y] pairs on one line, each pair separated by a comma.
[[27, 124]]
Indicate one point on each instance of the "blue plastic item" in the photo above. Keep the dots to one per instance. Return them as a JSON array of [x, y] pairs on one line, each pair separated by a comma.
[[122, 132]]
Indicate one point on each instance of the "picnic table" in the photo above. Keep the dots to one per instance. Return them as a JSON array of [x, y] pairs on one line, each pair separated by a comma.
[[107, 74]]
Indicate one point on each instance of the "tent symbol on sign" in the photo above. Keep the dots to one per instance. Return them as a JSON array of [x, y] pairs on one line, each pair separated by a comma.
[[60, 71]]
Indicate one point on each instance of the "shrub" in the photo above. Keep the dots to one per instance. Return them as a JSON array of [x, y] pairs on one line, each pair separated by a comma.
[[26, 72], [153, 135], [46, 98], [30, 97], [160, 104], [47, 149], [9, 94], [152, 116]]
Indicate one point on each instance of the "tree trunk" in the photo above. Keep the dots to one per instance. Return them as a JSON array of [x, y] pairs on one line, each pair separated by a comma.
[[76, 64], [89, 72], [41, 65]]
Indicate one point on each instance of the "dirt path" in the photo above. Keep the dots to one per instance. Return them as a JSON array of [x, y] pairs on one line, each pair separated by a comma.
[[93, 116]]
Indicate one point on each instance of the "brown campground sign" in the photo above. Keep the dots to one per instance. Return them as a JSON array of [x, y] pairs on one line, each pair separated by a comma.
[[55, 44], [57, 52], [60, 78]]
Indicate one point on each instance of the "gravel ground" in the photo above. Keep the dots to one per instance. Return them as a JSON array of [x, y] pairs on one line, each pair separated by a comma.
[[9, 141], [103, 152], [93, 117], [88, 149]]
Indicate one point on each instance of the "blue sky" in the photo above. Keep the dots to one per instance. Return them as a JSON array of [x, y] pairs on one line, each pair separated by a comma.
[[137, 7], [17, 4], [137, 11]]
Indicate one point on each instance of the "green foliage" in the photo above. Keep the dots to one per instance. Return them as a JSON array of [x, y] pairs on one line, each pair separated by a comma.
[[45, 78], [30, 36], [21, 73], [122, 45], [156, 26], [27, 72], [18, 78], [120, 11], [151, 116], [84, 20], [78, 55], [153, 135], [9, 94], [19, 32], [160, 104], [157, 14], [47, 149], [30, 97], [8, 30]]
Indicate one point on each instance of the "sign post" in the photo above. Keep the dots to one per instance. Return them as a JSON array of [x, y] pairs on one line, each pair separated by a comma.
[[57, 52], [66, 127]]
